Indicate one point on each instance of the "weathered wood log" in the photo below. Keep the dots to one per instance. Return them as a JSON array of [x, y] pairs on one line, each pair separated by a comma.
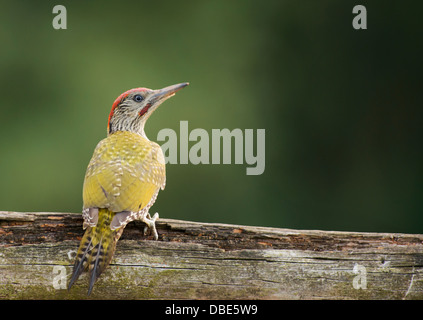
[[194, 260]]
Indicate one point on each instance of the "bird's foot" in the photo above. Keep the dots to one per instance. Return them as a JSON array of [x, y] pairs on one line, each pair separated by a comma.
[[151, 223]]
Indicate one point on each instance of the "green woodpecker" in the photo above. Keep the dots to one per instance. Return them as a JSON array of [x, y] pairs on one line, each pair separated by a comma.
[[122, 181]]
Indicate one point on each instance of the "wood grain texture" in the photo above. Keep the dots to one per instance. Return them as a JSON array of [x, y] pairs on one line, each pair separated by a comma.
[[194, 260]]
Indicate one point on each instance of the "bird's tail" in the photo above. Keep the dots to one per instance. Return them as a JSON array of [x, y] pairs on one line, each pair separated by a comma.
[[96, 249]]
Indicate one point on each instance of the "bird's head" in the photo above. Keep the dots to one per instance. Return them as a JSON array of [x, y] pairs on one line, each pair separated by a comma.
[[132, 108]]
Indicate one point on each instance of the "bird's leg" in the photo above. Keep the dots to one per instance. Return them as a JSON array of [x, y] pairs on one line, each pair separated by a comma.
[[150, 222]]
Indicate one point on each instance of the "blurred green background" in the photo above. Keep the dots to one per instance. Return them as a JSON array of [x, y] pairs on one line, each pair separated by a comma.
[[342, 108]]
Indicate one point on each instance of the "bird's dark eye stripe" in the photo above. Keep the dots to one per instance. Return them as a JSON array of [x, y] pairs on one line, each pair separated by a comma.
[[138, 98]]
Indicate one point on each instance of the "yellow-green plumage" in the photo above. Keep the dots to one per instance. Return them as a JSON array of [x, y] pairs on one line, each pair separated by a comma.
[[124, 175], [125, 172]]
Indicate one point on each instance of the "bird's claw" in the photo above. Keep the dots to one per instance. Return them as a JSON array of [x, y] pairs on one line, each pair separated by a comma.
[[150, 223]]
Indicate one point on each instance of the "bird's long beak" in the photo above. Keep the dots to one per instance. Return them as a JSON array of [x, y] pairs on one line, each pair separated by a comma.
[[161, 95]]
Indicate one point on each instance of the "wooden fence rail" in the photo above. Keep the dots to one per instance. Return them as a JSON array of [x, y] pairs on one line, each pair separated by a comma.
[[194, 260]]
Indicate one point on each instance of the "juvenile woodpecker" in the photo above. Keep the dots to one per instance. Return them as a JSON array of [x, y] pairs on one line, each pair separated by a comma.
[[122, 180]]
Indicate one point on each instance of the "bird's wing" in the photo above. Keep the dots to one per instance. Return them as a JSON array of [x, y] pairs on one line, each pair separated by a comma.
[[126, 171]]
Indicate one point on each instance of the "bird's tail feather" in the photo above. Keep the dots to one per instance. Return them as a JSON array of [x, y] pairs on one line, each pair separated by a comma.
[[96, 249]]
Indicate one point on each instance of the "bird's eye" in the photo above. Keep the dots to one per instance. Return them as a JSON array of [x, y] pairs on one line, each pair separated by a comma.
[[138, 98]]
